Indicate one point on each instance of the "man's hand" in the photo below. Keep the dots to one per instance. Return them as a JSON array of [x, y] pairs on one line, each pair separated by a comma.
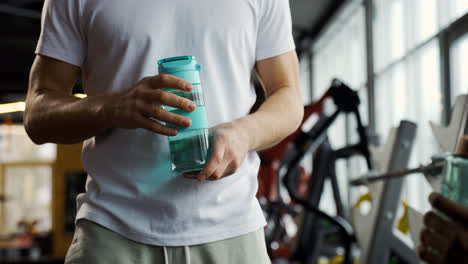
[[445, 241], [135, 107], [279, 116], [54, 115], [230, 146]]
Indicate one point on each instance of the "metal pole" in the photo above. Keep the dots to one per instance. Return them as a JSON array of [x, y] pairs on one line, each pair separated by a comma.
[[383, 242], [445, 82], [311, 72], [369, 10]]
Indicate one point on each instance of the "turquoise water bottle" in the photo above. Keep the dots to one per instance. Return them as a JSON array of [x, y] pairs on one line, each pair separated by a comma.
[[189, 149], [455, 174]]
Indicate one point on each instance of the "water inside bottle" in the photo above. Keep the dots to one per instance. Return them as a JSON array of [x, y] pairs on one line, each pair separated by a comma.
[[190, 152], [455, 182], [190, 148]]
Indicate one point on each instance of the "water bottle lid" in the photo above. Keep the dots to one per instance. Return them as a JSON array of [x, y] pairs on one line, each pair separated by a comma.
[[462, 147], [177, 64]]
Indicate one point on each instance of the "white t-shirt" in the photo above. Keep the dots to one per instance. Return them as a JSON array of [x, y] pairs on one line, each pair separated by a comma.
[[130, 187]]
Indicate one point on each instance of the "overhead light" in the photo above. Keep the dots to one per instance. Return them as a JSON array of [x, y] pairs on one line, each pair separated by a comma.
[[79, 95], [12, 107]]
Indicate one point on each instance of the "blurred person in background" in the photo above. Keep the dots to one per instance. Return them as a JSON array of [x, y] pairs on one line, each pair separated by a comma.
[[445, 241]]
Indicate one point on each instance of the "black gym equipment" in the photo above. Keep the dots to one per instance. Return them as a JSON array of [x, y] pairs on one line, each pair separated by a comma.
[[317, 226]]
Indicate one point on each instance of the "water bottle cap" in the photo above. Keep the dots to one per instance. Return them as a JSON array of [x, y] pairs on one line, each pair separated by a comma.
[[462, 147], [177, 64]]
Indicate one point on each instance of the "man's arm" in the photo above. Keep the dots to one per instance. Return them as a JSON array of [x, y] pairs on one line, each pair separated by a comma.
[[282, 112], [279, 116], [53, 114]]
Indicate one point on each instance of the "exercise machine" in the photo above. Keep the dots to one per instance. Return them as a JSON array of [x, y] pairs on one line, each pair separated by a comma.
[[315, 140], [381, 245]]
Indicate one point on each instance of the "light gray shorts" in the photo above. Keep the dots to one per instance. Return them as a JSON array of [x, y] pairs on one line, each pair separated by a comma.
[[93, 243]]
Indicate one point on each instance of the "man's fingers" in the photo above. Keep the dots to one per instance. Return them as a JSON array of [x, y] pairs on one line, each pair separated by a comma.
[[165, 116], [154, 126], [220, 171], [439, 225], [463, 238], [230, 169], [169, 81], [190, 175], [429, 255], [215, 160], [457, 255], [435, 241], [453, 210], [167, 98]]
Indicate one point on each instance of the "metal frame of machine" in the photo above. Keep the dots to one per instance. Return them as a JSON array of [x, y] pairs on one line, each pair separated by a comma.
[[384, 244]]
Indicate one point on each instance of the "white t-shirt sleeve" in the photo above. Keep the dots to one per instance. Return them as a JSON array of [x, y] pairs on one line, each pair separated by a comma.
[[62, 36], [274, 36]]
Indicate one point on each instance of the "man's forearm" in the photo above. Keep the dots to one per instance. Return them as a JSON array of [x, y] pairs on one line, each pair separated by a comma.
[[56, 117], [278, 117], [52, 114]]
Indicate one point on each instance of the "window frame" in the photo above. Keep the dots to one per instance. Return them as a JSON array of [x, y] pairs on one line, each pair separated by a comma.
[[447, 38], [446, 35]]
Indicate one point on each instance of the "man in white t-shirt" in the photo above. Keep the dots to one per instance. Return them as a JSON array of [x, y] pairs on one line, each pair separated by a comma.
[[136, 209]]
